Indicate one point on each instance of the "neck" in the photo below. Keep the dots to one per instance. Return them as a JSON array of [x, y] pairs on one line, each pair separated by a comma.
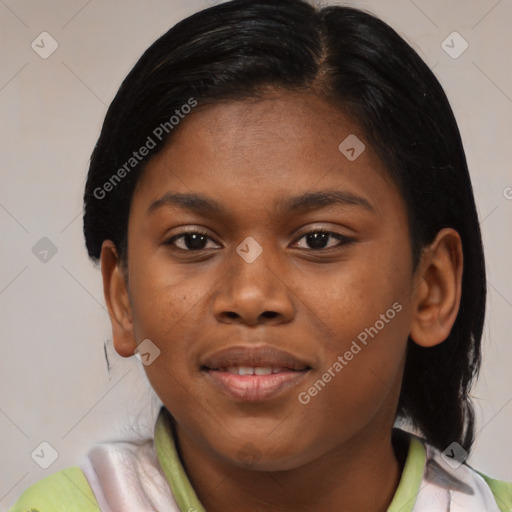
[[360, 474]]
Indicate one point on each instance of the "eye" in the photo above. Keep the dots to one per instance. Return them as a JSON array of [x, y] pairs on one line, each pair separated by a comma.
[[192, 241], [318, 240]]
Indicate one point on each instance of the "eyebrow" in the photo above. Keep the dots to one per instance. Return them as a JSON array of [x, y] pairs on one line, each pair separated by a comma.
[[298, 204]]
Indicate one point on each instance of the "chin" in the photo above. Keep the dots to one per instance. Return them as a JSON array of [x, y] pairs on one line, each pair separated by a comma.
[[261, 457]]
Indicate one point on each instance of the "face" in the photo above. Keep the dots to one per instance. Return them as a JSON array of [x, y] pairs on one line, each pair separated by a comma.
[[282, 325]]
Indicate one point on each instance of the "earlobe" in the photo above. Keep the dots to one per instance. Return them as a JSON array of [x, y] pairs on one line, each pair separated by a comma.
[[117, 300], [438, 289]]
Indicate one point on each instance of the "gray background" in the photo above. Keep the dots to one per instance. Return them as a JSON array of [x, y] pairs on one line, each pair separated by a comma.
[[54, 381]]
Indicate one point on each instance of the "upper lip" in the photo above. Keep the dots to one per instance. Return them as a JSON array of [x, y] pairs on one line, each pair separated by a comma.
[[251, 356]]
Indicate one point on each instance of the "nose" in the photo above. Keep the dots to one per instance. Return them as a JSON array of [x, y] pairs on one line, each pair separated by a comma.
[[254, 292]]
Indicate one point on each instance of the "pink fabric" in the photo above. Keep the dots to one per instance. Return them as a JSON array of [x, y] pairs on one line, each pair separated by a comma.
[[126, 477]]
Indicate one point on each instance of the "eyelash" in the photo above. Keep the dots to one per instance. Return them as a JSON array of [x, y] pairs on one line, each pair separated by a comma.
[[344, 240]]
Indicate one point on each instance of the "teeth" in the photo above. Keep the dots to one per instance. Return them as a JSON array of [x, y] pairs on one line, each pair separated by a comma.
[[248, 370], [263, 371]]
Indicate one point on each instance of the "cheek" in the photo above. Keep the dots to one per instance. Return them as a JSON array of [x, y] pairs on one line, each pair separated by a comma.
[[361, 379], [353, 297], [163, 296], [168, 308], [366, 305]]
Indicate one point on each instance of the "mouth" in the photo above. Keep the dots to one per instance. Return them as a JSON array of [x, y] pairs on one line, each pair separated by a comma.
[[252, 374]]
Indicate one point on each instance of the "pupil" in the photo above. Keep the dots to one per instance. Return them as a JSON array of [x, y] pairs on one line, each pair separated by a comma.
[[195, 241], [317, 240]]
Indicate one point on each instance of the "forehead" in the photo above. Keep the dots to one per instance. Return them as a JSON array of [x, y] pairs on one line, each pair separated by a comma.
[[280, 125], [261, 150]]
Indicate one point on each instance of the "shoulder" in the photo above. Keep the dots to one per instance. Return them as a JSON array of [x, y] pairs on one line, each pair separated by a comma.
[[67, 490], [501, 490], [468, 488]]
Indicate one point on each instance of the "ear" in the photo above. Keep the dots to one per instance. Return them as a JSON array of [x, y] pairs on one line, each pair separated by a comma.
[[438, 288], [117, 299]]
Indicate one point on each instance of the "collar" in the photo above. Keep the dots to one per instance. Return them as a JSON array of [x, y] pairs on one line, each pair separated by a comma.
[[187, 500], [170, 462]]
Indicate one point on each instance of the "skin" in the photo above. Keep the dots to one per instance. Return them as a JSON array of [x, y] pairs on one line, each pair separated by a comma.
[[335, 452]]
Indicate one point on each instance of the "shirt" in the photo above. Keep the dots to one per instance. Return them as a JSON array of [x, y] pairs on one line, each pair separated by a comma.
[[148, 476]]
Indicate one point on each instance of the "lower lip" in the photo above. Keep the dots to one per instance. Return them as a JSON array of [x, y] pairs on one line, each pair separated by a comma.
[[254, 388]]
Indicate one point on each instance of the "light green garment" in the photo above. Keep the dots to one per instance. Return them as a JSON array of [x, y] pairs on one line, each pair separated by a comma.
[[66, 491], [69, 490]]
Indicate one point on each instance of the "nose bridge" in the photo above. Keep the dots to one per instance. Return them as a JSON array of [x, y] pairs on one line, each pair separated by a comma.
[[253, 263], [253, 289]]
